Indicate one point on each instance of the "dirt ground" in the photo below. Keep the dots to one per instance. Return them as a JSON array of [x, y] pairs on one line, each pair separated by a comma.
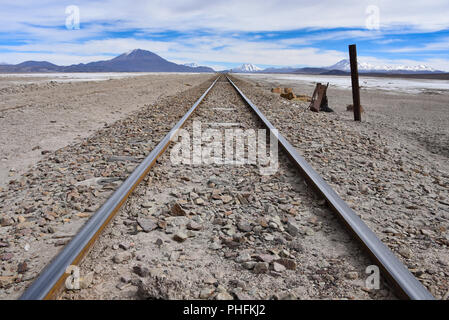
[[392, 169], [39, 116]]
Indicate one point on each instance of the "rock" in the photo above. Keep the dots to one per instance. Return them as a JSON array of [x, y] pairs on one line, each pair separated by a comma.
[[124, 246], [141, 271], [265, 257], [444, 261], [223, 296], [292, 228], [288, 96], [287, 263], [244, 226], [352, 275], [192, 225], [427, 232], [249, 265], [296, 245], [159, 288], [263, 222], [122, 257], [206, 293], [226, 199], [199, 201], [177, 210], [159, 242], [180, 236], [22, 267], [391, 230], [276, 90], [240, 295], [147, 224], [6, 222], [147, 205], [278, 267], [243, 257], [260, 267], [405, 252]]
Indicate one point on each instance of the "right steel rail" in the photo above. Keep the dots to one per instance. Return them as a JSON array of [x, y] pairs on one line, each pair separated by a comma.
[[406, 284]]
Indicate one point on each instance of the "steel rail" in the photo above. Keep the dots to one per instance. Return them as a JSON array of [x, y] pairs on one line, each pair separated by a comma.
[[52, 278], [406, 284]]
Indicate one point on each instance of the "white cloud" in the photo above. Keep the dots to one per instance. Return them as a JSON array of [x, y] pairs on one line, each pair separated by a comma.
[[222, 20]]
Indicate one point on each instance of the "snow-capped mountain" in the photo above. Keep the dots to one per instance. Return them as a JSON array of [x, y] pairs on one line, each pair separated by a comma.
[[247, 67], [344, 65], [192, 65]]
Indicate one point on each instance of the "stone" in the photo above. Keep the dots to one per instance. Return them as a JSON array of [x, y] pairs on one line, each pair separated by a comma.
[[260, 267], [141, 271], [278, 267], [352, 275], [22, 267], [206, 293], [391, 230], [223, 296], [290, 264], [249, 265], [405, 252], [192, 225], [427, 232], [292, 228], [226, 199], [243, 257], [263, 222], [265, 257], [147, 224], [296, 245], [244, 226], [122, 257], [288, 96], [199, 201], [177, 210], [180, 236]]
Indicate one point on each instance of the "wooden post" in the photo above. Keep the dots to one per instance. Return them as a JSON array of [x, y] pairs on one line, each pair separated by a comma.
[[355, 82]]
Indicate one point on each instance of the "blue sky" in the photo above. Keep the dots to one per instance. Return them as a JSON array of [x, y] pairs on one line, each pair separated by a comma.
[[224, 34]]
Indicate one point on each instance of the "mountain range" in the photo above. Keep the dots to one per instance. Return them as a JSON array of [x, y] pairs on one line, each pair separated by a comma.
[[137, 60], [342, 67]]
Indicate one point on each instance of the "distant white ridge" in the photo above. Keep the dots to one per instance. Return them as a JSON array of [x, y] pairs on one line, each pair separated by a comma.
[[247, 67], [344, 65], [192, 65]]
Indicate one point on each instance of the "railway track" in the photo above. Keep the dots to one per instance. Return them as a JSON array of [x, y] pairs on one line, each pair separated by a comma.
[[51, 281]]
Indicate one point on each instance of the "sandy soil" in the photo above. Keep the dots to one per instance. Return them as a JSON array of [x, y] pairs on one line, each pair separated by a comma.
[[39, 117], [420, 119]]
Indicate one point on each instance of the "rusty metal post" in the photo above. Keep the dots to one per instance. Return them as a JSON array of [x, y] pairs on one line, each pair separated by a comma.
[[355, 82]]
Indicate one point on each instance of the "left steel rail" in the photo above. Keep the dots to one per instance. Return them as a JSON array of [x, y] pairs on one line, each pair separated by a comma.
[[52, 278]]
